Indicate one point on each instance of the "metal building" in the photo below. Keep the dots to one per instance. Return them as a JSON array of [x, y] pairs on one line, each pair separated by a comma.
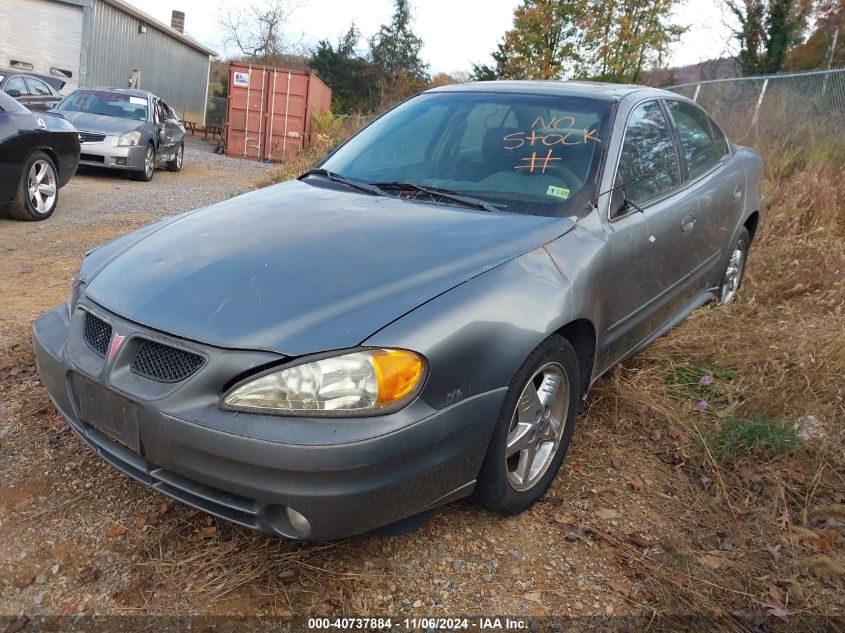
[[107, 43]]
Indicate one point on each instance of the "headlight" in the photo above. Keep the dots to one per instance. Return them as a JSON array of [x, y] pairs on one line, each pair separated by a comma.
[[75, 292], [130, 138], [366, 382]]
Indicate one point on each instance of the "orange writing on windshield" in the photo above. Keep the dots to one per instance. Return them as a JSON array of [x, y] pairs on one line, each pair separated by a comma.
[[538, 163]]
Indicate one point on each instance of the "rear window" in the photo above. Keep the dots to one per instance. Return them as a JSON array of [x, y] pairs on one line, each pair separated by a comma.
[[104, 103]]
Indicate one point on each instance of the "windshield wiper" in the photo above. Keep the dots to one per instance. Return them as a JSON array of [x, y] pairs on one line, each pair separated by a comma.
[[437, 192], [354, 184]]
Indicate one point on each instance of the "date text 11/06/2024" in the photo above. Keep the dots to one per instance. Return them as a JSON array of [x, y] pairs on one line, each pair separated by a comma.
[[422, 623]]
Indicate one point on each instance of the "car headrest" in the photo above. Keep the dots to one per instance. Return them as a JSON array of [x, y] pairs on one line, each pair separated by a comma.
[[494, 146]]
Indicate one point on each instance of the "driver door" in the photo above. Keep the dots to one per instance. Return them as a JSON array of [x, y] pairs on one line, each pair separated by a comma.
[[644, 279], [166, 137]]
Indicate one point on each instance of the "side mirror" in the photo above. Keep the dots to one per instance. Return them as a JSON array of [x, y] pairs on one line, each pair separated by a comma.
[[13, 93], [618, 204]]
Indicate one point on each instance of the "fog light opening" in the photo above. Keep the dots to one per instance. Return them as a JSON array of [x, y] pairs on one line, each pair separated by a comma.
[[298, 521]]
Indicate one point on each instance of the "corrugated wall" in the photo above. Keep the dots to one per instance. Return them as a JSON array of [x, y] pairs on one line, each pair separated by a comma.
[[169, 68]]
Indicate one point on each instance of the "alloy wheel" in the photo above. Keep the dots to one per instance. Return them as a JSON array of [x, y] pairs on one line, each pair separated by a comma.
[[537, 426], [733, 274], [149, 161], [42, 189]]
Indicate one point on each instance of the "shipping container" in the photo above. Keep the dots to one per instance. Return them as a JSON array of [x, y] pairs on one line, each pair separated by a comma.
[[269, 110]]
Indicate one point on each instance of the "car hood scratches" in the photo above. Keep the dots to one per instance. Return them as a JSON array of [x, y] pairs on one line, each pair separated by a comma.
[[296, 268]]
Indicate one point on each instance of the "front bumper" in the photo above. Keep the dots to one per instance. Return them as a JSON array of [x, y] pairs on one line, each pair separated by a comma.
[[108, 153], [345, 476]]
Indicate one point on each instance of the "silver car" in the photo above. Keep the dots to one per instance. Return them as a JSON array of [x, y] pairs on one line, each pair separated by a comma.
[[130, 130]]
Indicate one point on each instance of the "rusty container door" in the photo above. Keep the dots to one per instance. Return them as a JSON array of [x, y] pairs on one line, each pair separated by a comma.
[[246, 111], [287, 95]]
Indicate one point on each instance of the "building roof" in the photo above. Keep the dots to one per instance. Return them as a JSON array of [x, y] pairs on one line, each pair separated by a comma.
[[161, 26], [569, 88]]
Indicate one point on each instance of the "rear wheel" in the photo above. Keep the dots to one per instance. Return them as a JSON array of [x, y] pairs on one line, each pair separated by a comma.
[[38, 190], [732, 277], [145, 174], [533, 431], [176, 163]]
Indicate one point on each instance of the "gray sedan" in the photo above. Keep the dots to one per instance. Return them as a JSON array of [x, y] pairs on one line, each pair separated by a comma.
[[129, 130], [416, 320]]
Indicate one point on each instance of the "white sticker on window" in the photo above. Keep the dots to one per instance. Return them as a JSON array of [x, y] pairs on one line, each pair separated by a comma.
[[137, 101]]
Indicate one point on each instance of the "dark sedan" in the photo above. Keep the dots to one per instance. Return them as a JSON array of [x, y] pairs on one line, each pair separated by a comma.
[[36, 92], [39, 153], [416, 320]]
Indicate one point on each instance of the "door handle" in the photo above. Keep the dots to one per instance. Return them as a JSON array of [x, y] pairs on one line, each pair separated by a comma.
[[688, 222]]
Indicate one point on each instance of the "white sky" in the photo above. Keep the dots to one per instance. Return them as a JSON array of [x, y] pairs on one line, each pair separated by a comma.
[[456, 33]]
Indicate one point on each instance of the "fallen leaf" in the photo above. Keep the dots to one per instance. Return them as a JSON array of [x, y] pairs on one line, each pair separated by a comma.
[[637, 483], [748, 475], [824, 543], [565, 519], [656, 435], [69, 607], [140, 522], [533, 596], [24, 580], [774, 551], [4, 374], [711, 562], [616, 464], [287, 576], [638, 540], [115, 530], [677, 434], [784, 519], [57, 421], [620, 587], [16, 625], [606, 514]]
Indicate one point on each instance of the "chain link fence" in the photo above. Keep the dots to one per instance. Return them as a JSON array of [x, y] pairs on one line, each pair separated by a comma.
[[788, 109]]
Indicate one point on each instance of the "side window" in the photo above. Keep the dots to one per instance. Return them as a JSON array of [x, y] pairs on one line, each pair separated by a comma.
[[721, 141], [37, 87], [649, 164], [17, 83], [697, 140]]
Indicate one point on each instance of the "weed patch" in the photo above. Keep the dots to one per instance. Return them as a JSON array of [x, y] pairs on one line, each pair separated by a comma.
[[738, 437]]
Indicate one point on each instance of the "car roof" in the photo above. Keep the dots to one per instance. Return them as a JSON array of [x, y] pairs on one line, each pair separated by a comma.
[[594, 89], [56, 83], [129, 92]]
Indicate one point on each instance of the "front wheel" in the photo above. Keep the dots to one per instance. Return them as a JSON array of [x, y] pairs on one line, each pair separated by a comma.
[[38, 189], [176, 163], [145, 174], [732, 277], [533, 430]]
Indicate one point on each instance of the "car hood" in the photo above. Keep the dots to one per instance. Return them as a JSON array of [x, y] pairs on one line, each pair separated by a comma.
[[296, 268], [100, 123]]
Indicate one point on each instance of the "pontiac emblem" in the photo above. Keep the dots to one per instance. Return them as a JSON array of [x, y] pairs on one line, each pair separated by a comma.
[[115, 344]]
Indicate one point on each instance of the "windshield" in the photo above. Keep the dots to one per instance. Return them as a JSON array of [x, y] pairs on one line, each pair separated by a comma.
[[107, 104], [533, 154]]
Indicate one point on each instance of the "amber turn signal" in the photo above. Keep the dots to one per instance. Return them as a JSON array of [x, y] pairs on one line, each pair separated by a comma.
[[398, 373]]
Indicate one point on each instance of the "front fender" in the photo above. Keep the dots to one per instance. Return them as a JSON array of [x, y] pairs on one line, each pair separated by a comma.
[[477, 335]]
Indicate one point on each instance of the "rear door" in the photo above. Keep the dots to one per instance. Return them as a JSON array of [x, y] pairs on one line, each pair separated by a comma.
[[165, 135], [717, 181]]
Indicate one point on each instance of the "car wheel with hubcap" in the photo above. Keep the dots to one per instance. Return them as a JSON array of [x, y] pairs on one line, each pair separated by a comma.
[[176, 163], [38, 190], [533, 430], [732, 277], [146, 173]]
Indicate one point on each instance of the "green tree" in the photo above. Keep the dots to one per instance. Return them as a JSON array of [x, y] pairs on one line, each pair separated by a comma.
[[395, 51], [609, 40], [352, 78], [767, 30]]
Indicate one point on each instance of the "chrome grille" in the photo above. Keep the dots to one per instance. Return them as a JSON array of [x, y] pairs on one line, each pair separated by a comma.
[[97, 334], [163, 363], [91, 137]]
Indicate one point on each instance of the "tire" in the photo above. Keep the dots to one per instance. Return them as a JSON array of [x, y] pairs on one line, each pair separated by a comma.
[[38, 190], [176, 163], [510, 485], [146, 174], [735, 268]]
